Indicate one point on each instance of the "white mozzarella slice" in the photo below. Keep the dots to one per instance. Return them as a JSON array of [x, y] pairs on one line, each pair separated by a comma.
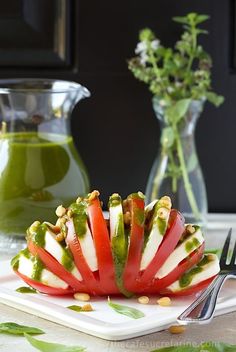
[[210, 269], [58, 252], [76, 273], [48, 278], [88, 249], [53, 246], [150, 206], [25, 266], [180, 253], [154, 240]]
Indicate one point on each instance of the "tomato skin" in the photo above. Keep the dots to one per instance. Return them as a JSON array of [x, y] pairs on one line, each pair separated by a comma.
[[80, 261], [45, 288], [103, 248], [132, 266], [56, 268], [191, 290], [159, 284], [171, 238]]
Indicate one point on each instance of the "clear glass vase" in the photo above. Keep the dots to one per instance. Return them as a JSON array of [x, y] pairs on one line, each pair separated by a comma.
[[176, 170], [40, 167]]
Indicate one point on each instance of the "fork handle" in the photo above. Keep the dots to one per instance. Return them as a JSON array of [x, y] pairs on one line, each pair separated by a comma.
[[202, 309]]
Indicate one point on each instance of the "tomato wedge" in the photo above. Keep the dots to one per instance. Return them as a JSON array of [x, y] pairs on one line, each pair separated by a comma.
[[158, 284], [44, 288], [80, 262], [171, 239], [102, 245], [191, 290], [132, 267], [56, 268]]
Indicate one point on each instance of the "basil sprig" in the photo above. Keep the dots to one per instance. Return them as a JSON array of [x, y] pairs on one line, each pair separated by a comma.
[[126, 310], [52, 347], [16, 329]]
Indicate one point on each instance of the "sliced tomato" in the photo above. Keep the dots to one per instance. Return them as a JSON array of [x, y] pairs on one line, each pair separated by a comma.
[[171, 238], [73, 243], [102, 245], [56, 268], [45, 288], [157, 285], [189, 290], [132, 267]]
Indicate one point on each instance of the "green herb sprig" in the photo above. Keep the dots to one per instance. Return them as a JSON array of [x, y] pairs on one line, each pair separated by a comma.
[[176, 77]]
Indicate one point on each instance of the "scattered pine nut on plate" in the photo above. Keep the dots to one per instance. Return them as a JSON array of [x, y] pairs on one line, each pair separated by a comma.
[[143, 300], [84, 297], [164, 301]]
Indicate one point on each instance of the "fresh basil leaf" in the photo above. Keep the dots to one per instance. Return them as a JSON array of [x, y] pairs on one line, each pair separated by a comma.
[[75, 308], [125, 310], [52, 347], [26, 289], [16, 329], [217, 347], [177, 111]]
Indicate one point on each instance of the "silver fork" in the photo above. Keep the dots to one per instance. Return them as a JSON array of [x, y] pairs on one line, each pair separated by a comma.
[[202, 309]]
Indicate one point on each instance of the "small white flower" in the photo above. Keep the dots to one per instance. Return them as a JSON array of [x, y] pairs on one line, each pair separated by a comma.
[[141, 47], [143, 58], [155, 44], [170, 89], [162, 102], [178, 84]]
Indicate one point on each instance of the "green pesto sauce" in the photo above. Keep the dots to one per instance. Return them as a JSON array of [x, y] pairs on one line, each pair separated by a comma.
[[26, 289], [114, 200], [67, 259], [37, 269], [79, 218], [15, 260], [191, 244], [162, 225], [37, 235], [139, 216], [119, 253], [187, 278]]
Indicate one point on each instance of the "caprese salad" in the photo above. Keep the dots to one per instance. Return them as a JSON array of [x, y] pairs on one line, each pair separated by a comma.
[[136, 250]]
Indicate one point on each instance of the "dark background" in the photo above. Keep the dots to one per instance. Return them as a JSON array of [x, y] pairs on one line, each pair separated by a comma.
[[115, 130]]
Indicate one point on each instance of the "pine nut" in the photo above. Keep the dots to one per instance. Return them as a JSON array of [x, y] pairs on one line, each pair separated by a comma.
[[70, 213], [87, 308], [163, 213], [177, 329], [60, 211], [143, 300], [164, 301], [84, 297], [190, 229], [60, 237]]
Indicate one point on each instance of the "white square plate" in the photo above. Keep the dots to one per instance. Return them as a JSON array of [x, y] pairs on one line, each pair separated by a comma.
[[103, 322]]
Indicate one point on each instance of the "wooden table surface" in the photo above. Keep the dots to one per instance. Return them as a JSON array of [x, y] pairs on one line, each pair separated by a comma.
[[221, 329]]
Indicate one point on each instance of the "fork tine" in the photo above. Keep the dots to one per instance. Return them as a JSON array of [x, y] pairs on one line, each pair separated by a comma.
[[225, 249], [232, 261]]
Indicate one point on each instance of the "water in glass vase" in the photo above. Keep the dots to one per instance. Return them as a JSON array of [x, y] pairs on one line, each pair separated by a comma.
[[38, 171]]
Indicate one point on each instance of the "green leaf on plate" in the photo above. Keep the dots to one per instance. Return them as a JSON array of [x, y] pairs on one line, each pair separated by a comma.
[[52, 347], [75, 308], [26, 289], [125, 310], [16, 329]]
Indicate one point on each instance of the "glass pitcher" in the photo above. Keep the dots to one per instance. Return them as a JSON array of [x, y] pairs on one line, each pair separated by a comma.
[[39, 165]]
